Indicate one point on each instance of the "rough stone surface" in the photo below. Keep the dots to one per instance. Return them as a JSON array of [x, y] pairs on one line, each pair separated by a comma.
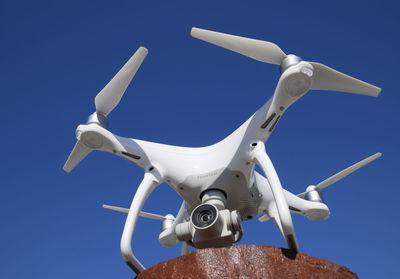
[[245, 262]]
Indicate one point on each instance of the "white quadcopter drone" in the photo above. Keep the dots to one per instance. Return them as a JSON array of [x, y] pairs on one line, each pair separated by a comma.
[[218, 184]]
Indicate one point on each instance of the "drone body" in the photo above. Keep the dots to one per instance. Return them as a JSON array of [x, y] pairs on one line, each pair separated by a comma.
[[218, 184]]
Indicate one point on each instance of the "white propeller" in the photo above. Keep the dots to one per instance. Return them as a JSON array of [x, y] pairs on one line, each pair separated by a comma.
[[109, 97], [107, 100], [77, 154], [142, 213], [336, 177], [259, 50], [324, 78]]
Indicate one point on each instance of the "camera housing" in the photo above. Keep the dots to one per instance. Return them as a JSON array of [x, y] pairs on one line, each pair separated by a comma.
[[204, 216], [210, 224]]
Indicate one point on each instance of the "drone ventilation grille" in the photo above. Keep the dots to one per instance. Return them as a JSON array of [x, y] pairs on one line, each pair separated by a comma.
[[136, 157], [266, 123], [273, 125]]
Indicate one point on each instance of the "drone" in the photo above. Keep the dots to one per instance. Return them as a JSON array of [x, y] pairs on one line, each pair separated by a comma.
[[219, 185]]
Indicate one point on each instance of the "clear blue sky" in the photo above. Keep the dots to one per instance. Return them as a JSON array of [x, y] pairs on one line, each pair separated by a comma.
[[56, 56]]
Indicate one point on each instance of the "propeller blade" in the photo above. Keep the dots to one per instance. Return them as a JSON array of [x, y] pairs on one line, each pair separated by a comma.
[[109, 97], [346, 172], [259, 50], [142, 213], [116, 208], [152, 216], [326, 78], [79, 152], [336, 177]]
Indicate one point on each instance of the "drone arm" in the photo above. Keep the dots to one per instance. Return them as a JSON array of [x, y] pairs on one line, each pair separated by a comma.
[[94, 137], [149, 183], [292, 85], [284, 219]]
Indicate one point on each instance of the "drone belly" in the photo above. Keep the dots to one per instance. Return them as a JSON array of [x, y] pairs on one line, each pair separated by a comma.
[[233, 183], [192, 171], [180, 164]]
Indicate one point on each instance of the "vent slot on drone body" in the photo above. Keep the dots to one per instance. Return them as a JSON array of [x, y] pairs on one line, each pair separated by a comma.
[[273, 125], [266, 123], [136, 157], [294, 209]]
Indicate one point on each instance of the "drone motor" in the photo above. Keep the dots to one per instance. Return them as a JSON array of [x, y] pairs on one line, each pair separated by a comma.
[[313, 194]]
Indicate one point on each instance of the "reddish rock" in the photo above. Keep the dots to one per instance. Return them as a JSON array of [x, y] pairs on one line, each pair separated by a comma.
[[246, 261]]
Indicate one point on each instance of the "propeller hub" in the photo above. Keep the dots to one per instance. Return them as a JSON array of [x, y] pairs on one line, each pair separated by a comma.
[[99, 119], [288, 61], [313, 194]]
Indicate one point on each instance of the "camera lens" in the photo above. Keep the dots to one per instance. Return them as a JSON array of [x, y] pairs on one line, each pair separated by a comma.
[[204, 215]]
